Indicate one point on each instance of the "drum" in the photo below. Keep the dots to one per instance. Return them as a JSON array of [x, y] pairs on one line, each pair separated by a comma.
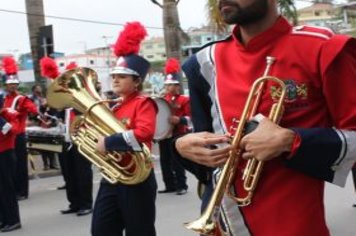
[[42, 139], [163, 126]]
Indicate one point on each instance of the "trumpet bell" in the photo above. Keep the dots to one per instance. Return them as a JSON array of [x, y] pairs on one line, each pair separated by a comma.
[[202, 226]]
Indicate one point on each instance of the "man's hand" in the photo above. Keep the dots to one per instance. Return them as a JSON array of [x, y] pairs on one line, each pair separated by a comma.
[[267, 141], [197, 148], [100, 146], [174, 120]]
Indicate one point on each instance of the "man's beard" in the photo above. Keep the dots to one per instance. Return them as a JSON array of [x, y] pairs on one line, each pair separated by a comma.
[[255, 12]]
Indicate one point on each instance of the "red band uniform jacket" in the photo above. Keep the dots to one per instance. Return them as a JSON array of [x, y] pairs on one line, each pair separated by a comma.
[[24, 106], [138, 114], [180, 107], [9, 126]]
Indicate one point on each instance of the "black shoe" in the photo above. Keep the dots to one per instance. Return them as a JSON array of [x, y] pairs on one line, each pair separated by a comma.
[[354, 205], [8, 228], [168, 190], [84, 212], [61, 187], [181, 191], [21, 198], [69, 211]]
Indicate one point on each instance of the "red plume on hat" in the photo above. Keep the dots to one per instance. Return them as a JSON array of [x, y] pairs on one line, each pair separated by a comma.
[[9, 65], [71, 66], [130, 39], [172, 66], [49, 68]]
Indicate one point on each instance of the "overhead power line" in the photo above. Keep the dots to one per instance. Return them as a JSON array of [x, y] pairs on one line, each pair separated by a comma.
[[92, 21], [73, 19]]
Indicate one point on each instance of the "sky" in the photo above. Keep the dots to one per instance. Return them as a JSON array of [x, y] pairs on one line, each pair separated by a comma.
[[74, 37]]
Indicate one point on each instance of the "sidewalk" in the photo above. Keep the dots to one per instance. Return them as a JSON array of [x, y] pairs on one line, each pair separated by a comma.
[[35, 168]]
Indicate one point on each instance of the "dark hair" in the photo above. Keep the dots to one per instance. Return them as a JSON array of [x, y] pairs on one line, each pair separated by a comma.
[[140, 85], [34, 86]]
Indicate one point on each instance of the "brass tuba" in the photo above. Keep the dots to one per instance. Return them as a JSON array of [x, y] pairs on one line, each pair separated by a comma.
[[76, 89], [208, 223]]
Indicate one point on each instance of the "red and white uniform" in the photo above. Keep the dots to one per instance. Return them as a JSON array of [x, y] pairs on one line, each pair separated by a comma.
[[138, 114], [23, 105], [180, 107], [7, 139], [319, 70]]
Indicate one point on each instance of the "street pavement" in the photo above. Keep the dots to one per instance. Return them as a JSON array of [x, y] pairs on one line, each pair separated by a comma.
[[40, 213]]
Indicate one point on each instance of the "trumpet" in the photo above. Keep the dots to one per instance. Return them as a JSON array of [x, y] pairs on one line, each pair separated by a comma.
[[208, 223]]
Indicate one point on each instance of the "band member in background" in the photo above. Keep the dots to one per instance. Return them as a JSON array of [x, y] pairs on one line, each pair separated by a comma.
[[121, 207], [320, 105], [24, 106], [77, 174], [36, 95], [76, 169], [9, 208], [47, 120], [172, 171]]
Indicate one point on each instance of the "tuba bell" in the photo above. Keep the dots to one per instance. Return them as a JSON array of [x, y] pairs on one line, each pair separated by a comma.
[[76, 89], [208, 223]]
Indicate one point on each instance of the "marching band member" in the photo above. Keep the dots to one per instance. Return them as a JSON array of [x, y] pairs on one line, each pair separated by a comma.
[[76, 169], [121, 207], [316, 140], [47, 120], [9, 208], [172, 171], [24, 106]]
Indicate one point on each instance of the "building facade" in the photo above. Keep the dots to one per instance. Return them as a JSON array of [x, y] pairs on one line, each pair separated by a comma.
[[154, 49], [340, 18]]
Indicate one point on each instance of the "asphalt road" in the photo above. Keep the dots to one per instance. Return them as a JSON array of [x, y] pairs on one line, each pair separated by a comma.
[[40, 213]]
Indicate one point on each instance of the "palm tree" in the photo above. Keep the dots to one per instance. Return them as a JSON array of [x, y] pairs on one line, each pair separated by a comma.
[[287, 9], [35, 20], [174, 36], [214, 16]]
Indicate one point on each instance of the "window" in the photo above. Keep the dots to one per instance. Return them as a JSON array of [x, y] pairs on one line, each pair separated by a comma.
[[61, 64], [91, 62]]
